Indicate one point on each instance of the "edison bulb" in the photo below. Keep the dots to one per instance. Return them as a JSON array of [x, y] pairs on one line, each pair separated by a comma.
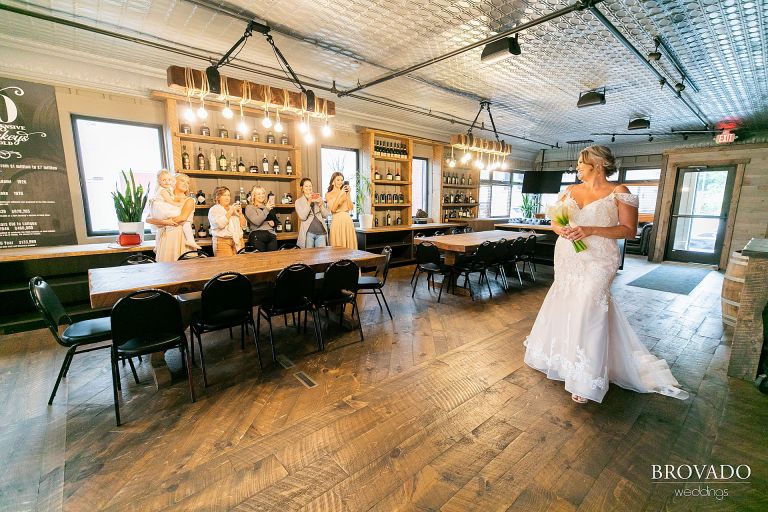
[[266, 122], [466, 157], [189, 114], [242, 126], [227, 112], [303, 127], [308, 138], [326, 131], [202, 113], [278, 127], [451, 163]]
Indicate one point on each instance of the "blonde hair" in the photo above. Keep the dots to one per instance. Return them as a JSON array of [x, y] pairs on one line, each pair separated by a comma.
[[603, 156], [163, 171], [255, 189]]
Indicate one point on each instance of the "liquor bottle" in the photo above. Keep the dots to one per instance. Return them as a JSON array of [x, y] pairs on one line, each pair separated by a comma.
[[278, 225], [204, 130], [265, 165], [284, 139], [223, 132], [289, 167], [397, 176], [376, 175], [389, 175], [469, 180], [399, 220], [286, 199], [186, 129], [288, 225], [445, 178], [184, 158], [200, 198], [253, 168], [275, 166], [213, 161], [255, 136], [241, 165], [238, 135], [200, 159], [375, 221], [471, 199], [201, 233], [402, 198], [232, 162], [222, 161], [193, 227], [462, 182], [241, 196], [389, 199], [270, 138], [388, 221]]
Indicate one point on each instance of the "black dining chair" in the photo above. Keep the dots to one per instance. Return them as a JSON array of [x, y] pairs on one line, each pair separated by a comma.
[[339, 288], [78, 337], [137, 259], [438, 233], [516, 250], [191, 255], [248, 249], [528, 256], [374, 284], [428, 262], [479, 262], [287, 247], [292, 293], [225, 302], [456, 231], [500, 257], [468, 229], [144, 322]]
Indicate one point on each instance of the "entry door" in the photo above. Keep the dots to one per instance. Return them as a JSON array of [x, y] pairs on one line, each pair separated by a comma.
[[699, 214]]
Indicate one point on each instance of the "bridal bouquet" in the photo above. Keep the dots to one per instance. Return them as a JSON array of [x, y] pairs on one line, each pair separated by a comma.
[[559, 213]]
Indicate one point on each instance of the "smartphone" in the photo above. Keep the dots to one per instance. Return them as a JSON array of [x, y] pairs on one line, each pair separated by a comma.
[[315, 195], [345, 184]]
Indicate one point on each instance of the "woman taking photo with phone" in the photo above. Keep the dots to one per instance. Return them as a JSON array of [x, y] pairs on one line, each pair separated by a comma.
[[312, 214], [261, 220], [227, 222], [340, 203]]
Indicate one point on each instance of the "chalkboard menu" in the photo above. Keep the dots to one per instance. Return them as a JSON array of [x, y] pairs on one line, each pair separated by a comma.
[[35, 205]]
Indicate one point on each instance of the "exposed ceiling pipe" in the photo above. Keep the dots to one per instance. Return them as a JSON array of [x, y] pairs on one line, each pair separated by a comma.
[[197, 53], [579, 5], [662, 79]]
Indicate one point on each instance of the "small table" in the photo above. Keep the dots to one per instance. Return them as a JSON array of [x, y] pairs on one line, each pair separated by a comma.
[[464, 243], [108, 285]]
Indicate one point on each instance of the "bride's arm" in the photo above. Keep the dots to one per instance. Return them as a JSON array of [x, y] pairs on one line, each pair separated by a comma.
[[627, 227]]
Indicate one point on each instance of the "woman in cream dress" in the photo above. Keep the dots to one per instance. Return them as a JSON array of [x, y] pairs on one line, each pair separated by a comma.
[[340, 204], [169, 239]]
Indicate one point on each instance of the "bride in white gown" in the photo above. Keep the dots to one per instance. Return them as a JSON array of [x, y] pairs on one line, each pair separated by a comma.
[[580, 336]]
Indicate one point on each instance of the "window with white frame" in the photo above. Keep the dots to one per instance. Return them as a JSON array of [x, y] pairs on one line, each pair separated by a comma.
[[495, 193], [420, 178], [105, 148]]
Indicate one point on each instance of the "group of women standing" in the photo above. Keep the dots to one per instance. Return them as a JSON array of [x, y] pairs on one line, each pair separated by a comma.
[[227, 220]]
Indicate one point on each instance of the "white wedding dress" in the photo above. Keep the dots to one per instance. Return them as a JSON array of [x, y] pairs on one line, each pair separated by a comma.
[[580, 336]]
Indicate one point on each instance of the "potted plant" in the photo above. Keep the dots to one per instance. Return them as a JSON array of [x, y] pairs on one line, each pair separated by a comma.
[[129, 207], [529, 204], [362, 205]]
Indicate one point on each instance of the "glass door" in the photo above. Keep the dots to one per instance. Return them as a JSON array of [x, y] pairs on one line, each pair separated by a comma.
[[699, 214]]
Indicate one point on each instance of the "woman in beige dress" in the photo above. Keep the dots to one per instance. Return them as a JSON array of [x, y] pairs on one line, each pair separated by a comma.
[[227, 222], [340, 204], [169, 239]]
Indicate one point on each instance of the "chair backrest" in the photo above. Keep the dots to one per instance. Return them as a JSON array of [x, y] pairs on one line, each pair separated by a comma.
[[228, 291], [49, 305], [146, 315], [502, 250], [287, 247], [485, 252], [191, 255], [456, 231], [137, 259], [419, 235], [427, 252], [248, 249], [530, 245], [387, 251], [294, 286], [340, 276], [438, 233], [468, 229], [517, 248]]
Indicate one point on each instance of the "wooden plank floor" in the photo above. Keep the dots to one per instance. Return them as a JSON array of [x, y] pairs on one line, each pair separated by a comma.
[[435, 411]]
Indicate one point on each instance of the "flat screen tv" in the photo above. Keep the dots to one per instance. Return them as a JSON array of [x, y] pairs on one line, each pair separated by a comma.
[[542, 182]]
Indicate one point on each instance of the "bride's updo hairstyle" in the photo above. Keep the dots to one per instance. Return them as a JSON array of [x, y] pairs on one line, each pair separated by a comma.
[[602, 155]]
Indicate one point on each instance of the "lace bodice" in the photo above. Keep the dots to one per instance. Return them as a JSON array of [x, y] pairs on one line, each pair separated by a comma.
[[602, 212]]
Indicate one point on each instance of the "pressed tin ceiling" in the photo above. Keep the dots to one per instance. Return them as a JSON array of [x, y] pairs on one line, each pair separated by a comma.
[[721, 43]]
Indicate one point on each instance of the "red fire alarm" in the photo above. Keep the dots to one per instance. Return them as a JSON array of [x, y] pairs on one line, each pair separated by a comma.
[[726, 137]]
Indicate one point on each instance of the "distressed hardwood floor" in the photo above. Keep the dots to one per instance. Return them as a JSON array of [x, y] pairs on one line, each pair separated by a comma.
[[434, 411]]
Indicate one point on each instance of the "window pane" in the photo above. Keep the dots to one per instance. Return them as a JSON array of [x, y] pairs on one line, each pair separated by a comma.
[[485, 201], [517, 177], [420, 185], [642, 174], [516, 200], [500, 201], [647, 197], [343, 161], [613, 177], [569, 177], [501, 176], [105, 149], [485, 175]]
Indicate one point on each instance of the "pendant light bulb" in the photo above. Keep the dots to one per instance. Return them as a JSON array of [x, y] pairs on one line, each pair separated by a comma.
[[202, 113], [278, 124], [227, 112], [242, 126], [466, 158], [479, 162], [266, 122], [308, 138], [326, 130], [189, 113], [451, 163], [303, 126], [504, 164]]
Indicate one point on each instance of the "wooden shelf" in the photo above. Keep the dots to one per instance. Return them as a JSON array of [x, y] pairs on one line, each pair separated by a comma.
[[448, 205], [391, 205], [241, 175], [390, 244], [445, 185], [464, 219], [207, 139], [391, 159], [400, 183]]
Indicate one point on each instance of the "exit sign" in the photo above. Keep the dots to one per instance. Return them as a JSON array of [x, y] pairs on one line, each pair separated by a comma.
[[727, 137]]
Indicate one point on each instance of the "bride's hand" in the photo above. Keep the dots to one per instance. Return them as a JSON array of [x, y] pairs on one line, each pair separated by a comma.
[[578, 232]]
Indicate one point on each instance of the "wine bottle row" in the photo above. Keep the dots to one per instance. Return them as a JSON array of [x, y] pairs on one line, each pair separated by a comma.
[[458, 197], [455, 179], [390, 149], [388, 220], [243, 197], [389, 176], [460, 213], [224, 133], [212, 162], [383, 198]]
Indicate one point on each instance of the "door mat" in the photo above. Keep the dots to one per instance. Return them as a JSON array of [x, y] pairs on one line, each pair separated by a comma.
[[671, 278]]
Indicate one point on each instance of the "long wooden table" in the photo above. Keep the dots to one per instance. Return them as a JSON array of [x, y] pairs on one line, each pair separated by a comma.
[[513, 226], [108, 285], [464, 243]]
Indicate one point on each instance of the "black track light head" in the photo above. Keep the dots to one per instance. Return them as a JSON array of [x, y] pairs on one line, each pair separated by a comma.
[[650, 138], [679, 87], [613, 138], [685, 136]]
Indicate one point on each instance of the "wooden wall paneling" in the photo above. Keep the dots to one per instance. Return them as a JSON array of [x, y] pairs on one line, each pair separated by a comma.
[[732, 212], [171, 126]]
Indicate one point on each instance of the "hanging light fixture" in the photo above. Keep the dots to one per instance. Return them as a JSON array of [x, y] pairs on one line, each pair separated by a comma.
[[201, 112], [242, 126], [227, 112], [278, 124], [452, 160], [504, 164], [326, 130], [266, 122], [308, 138], [303, 126], [189, 112]]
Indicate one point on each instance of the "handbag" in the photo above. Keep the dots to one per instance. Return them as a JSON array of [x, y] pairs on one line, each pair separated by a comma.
[[262, 236]]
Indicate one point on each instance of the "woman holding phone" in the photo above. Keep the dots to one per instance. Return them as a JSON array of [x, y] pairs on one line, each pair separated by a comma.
[[227, 223], [261, 220], [340, 203], [312, 214]]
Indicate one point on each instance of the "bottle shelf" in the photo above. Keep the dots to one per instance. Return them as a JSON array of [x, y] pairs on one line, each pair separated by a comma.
[[391, 205], [448, 205], [463, 219], [392, 182], [446, 185], [241, 175], [391, 158], [207, 139]]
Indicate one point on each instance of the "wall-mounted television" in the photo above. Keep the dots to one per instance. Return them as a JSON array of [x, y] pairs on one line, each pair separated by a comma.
[[542, 182]]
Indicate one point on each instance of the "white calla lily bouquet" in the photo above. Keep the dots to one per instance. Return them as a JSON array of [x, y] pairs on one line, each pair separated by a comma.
[[559, 212]]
